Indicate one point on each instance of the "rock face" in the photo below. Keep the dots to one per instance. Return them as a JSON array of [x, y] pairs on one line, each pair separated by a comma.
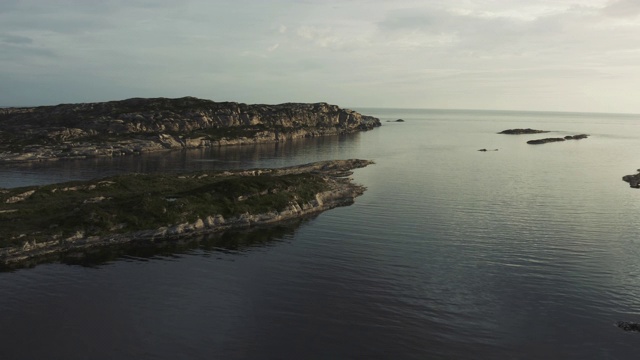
[[522, 131], [548, 140], [136, 207], [141, 125]]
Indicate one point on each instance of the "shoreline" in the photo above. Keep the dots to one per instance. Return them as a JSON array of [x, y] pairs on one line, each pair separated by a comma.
[[136, 126], [138, 147], [340, 191]]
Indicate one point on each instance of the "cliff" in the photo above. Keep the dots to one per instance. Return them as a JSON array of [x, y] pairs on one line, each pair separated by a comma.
[[54, 219], [142, 125]]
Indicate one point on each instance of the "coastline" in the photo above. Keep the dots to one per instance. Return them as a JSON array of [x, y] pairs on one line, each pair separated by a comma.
[[135, 126], [340, 191]]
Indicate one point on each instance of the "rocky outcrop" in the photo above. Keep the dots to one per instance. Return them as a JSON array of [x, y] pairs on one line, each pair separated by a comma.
[[336, 191], [548, 140], [544, 141], [522, 131], [628, 326], [633, 180], [576, 137], [143, 125]]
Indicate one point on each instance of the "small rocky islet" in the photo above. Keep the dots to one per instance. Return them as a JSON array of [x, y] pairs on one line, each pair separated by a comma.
[[558, 139], [528, 131], [41, 221], [522, 131], [138, 125], [633, 180]]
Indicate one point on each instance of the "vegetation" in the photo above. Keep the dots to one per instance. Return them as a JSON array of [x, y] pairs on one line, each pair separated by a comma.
[[133, 202], [247, 131]]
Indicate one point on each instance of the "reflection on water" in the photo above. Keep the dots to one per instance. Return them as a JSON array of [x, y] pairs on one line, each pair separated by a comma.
[[230, 242], [529, 252], [218, 158]]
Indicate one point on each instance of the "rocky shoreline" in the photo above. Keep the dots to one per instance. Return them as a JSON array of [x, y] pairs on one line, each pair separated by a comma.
[[134, 126], [48, 239]]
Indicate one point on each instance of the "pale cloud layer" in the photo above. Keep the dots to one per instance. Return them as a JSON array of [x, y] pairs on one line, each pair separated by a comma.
[[481, 54]]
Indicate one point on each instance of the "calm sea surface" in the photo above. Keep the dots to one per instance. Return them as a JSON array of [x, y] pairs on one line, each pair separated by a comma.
[[528, 252]]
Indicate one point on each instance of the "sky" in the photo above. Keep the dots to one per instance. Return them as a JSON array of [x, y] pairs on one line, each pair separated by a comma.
[[545, 55]]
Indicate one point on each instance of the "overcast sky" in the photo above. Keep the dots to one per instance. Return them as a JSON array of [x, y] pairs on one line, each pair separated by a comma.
[[565, 55]]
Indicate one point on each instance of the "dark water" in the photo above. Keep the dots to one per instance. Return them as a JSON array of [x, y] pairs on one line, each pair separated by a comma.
[[528, 252]]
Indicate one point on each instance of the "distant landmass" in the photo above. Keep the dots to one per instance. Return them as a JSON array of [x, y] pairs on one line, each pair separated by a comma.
[[138, 125]]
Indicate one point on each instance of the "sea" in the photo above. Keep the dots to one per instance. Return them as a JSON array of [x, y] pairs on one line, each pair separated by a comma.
[[520, 252]]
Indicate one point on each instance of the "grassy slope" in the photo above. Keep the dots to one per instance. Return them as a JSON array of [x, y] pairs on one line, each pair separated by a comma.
[[134, 202]]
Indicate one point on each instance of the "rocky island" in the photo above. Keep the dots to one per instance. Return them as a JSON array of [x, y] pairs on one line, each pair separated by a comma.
[[542, 141], [548, 140], [46, 220], [633, 180], [138, 125], [522, 131]]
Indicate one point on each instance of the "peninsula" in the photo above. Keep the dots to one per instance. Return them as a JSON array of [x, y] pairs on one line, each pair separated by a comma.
[[138, 125], [53, 219]]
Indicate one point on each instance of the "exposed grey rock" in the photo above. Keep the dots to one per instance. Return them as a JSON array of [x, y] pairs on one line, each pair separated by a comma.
[[20, 197]]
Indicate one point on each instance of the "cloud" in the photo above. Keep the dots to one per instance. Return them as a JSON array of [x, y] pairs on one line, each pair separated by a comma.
[[623, 8], [358, 52], [15, 39]]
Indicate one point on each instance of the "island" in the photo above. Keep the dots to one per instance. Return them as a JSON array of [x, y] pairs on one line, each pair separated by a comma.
[[548, 140], [633, 180], [522, 131], [137, 125], [41, 221]]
